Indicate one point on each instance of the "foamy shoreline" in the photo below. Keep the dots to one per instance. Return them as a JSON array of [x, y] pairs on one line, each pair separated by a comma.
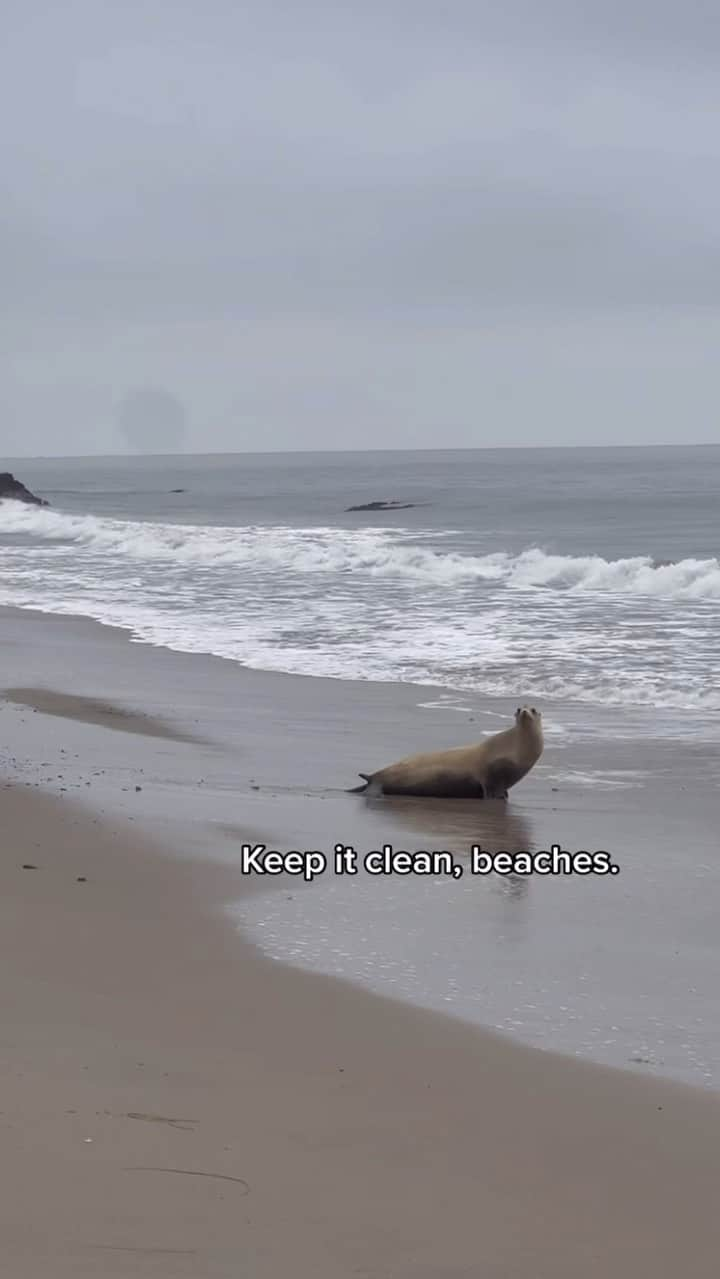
[[360, 602]]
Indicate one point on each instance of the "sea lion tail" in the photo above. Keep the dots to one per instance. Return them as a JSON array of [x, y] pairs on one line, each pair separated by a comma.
[[358, 790]]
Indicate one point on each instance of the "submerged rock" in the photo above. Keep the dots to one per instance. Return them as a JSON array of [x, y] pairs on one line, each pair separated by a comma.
[[10, 487], [392, 505]]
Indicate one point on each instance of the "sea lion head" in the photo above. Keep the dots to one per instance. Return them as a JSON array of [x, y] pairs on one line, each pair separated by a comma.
[[527, 715]]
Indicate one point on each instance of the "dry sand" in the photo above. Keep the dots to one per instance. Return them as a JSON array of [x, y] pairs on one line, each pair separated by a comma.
[[173, 1104]]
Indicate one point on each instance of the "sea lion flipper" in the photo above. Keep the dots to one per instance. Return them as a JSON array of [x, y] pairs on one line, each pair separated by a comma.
[[358, 790], [501, 775]]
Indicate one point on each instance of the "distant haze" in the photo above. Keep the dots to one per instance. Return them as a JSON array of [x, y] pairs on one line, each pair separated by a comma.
[[319, 225]]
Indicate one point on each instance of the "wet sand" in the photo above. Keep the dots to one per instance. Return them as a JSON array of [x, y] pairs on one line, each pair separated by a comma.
[[89, 710], [176, 1103]]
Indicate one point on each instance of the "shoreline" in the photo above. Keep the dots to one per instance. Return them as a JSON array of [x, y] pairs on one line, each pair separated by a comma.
[[240, 753], [632, 720]]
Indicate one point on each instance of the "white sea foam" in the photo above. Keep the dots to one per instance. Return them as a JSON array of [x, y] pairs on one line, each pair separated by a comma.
[[376, 552], [382, 604]]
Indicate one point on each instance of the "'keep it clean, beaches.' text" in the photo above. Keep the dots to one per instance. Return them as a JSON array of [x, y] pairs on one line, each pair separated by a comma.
[[257, 859]]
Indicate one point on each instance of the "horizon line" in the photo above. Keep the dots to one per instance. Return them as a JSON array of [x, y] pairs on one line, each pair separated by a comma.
[[474, 448]]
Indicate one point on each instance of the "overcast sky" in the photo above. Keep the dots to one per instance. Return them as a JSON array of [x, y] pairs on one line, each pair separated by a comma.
[[360, 224]]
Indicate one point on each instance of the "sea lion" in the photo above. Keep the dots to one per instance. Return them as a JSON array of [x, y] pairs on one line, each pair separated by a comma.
[[486, 770]]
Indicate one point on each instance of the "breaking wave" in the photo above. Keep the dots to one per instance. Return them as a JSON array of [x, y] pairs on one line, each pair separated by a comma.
[[373, 553], [382, 604]]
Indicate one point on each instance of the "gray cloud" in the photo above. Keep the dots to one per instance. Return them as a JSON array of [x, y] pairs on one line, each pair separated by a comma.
[[320, 224]]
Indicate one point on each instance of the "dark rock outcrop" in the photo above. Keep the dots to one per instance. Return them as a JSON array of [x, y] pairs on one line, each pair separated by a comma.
[[10, 487], [392, 505]]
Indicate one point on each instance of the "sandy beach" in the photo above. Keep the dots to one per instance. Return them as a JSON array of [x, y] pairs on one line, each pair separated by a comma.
[[177, 1103]]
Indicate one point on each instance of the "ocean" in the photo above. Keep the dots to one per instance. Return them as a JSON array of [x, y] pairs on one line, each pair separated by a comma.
[[583, 575]]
